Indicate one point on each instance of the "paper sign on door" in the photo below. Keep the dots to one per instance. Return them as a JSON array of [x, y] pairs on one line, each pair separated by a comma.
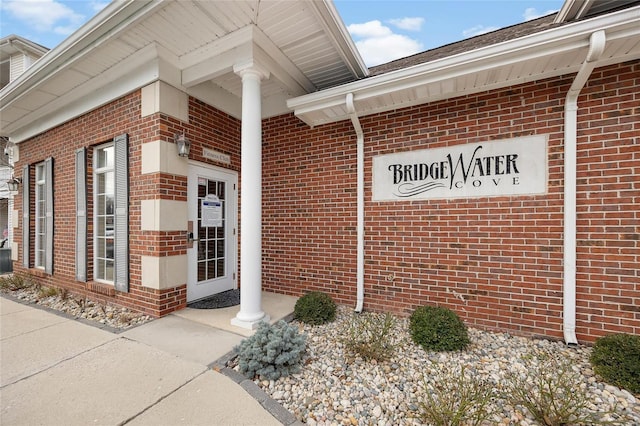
[[211, 211]]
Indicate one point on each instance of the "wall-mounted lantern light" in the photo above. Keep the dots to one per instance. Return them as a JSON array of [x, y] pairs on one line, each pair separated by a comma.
[[183, 144], [13, 184]]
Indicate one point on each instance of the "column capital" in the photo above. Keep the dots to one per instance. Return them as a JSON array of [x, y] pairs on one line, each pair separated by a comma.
[[250, 67]]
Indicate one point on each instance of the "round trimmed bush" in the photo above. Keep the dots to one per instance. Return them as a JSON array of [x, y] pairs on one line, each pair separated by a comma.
[[616, 358], [315, 308], [438, 329]]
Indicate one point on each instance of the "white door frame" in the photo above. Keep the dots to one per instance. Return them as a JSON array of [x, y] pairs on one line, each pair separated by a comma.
[[198, 290]]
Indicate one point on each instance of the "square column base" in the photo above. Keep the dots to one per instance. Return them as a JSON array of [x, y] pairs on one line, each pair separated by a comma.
[[249, 325]]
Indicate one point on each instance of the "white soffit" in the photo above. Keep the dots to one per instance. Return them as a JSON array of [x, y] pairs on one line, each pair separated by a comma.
[[196, 44], [545, 54]]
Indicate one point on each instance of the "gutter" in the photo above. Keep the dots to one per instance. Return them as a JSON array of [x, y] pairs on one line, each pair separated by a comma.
[[563, 40], [360, 201], [597, 43]]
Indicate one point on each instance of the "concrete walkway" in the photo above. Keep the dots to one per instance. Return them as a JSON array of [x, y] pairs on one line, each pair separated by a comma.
[[56, 370]]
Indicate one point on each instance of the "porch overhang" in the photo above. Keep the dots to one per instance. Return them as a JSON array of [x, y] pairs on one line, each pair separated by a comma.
[[191, 45], [549, 53]]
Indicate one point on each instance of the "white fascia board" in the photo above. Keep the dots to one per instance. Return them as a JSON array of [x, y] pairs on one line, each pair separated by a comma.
[[131, 74], [106, 25], [569, 37], [340, 37]]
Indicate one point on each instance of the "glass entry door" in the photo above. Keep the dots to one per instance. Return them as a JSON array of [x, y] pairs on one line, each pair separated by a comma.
[[212, 242]]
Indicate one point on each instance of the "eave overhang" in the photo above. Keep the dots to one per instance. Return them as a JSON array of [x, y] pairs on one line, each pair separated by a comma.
[[549, 53], [190, 45]]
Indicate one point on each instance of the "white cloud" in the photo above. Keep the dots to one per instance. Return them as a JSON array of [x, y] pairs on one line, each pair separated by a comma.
[[531, 13], [378, 44], [478, 30], [43, 15], [65, 30], [97, 6], [369, 29], [409, 24]]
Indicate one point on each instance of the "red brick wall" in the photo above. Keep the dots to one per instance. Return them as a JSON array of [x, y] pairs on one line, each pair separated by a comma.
[[608, 221], [207, 127], [496, 261]]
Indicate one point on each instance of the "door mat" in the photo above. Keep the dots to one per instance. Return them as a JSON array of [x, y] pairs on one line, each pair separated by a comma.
[[220, 300]]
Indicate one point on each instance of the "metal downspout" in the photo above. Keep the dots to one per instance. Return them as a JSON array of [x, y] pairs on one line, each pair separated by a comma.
[[597, 43], [360, 202]]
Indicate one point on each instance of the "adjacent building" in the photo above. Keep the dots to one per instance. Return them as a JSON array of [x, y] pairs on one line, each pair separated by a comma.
[[17, 54]]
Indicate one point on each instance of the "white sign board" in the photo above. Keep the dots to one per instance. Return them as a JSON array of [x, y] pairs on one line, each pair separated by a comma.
[[211, 211], [507, 167], [216, 156]]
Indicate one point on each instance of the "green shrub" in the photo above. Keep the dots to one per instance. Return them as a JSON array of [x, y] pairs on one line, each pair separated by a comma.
[[371, 336], [616, 358], [552, 391], [456, 398], [438, 329], [315, 308], [274, 351]]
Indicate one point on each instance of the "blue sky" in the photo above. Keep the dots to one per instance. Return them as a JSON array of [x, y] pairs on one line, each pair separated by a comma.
[[382, 29]]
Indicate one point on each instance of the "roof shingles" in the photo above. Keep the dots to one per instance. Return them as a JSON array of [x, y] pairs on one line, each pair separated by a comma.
[[488, 39]]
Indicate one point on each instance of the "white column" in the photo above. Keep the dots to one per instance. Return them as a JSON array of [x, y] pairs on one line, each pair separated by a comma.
[[251, 313]]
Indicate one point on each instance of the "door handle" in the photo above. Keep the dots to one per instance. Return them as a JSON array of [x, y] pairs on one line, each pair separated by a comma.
[[190, 239]]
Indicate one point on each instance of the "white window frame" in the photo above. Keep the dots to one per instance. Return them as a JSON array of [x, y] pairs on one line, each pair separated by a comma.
[[40, 189], [98, 274]]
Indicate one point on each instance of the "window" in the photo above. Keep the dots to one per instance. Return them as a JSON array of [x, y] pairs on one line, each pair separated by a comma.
[[37, 198], [109, 210], [104, 213], [41, 216]]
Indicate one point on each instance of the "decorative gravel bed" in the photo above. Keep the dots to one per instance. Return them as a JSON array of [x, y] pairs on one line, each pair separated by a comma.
[[80, 307], [336, 388]]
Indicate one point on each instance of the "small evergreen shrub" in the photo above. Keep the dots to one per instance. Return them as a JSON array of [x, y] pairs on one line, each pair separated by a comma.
[[274, 351], [616, 358], [315, 308], [438, 329], [372, 336]]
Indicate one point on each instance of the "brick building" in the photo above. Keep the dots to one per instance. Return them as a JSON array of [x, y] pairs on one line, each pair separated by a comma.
[[497, 176]]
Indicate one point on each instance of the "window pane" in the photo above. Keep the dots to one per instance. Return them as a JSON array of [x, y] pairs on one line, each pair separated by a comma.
[[202, 271], [211, 269], [105, 158], [40, 216], [211, 249], [104, 183], [109, 248], [108, 270], [100, 185], [220, 267]]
